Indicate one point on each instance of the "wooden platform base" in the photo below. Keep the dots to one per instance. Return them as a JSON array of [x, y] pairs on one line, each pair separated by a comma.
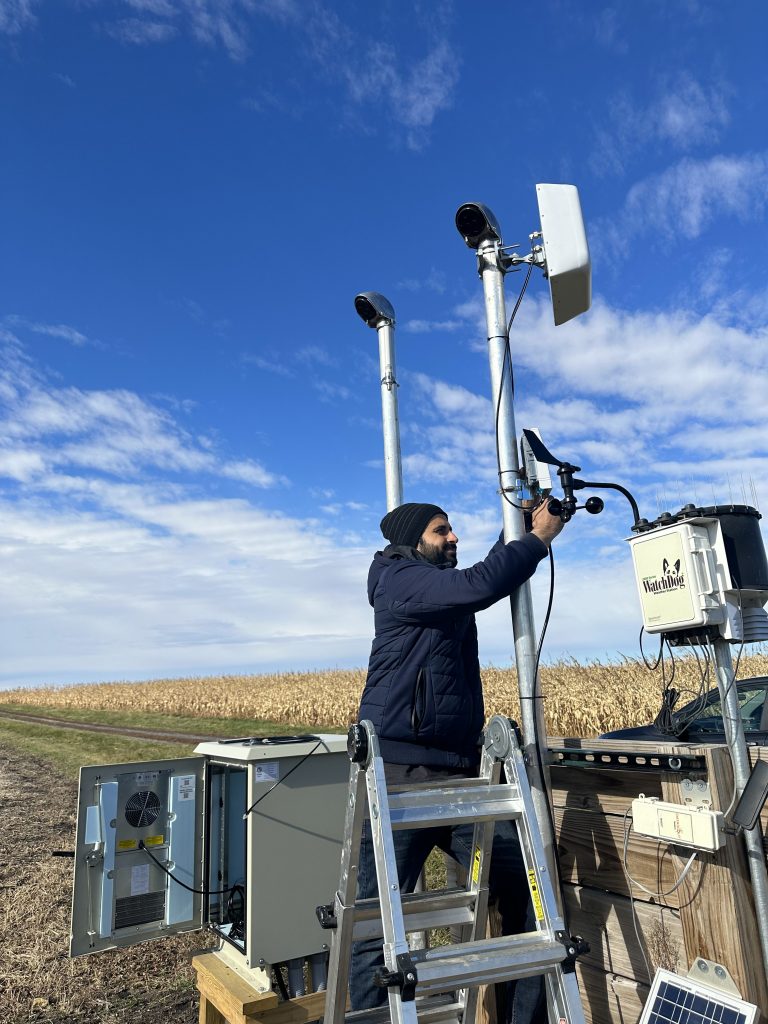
[[225, 998]]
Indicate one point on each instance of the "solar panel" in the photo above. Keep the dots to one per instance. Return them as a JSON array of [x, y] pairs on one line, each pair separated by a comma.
[[676, 1000]]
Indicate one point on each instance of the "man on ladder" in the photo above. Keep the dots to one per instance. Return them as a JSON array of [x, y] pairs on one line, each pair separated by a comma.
[[423, 696]]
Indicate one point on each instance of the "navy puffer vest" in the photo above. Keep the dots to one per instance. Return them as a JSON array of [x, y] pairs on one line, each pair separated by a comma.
[[423, 692]]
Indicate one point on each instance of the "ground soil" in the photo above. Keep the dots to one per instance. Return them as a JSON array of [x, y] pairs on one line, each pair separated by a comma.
[[148, 984]]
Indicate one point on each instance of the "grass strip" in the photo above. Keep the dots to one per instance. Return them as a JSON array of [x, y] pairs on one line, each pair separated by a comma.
[[69, 749], [215, 727]]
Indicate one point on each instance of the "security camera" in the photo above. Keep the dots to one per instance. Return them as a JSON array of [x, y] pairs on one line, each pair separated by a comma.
[[477, 224], [374, 308]]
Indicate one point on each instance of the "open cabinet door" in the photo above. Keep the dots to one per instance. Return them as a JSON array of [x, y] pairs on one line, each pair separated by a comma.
[[139, 846]]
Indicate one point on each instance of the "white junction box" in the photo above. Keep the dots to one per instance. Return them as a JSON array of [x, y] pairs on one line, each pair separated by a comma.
[[681, 573], [697, 827], [244, 839]]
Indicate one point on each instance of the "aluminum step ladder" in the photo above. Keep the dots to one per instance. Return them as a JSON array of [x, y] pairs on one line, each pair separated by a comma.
[[430, 986]]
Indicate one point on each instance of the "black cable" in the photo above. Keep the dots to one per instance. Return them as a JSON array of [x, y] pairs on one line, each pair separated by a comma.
[[281, 983], [655, 665], [236, 915], [281, 781], [507, 361], [178, 881], [547, 615]]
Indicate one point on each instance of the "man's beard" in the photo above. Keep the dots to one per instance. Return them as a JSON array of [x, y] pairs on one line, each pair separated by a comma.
[[438, 556]]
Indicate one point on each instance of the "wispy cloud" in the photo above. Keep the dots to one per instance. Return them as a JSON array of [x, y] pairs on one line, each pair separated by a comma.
[[160, 8], [47, 430], [685, 199], [330, 391], [139, 31], [430, 326], [64, 331], [435, 281], [17, 15], [413, 90], [689, 114], [683, 113], [315, 355], [415, 96], [608, 30], [269, 365]]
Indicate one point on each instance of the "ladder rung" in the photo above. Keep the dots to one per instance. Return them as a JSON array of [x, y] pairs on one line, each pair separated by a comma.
[[418, 902], [486, 961], [458, 783], [442, 1009], [425, 808], [421, 911]]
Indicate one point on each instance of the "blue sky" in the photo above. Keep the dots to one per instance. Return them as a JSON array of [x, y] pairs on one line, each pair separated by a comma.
[[192, 194]]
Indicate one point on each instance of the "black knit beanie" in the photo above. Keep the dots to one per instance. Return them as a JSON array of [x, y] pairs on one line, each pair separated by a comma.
[[406, 523]]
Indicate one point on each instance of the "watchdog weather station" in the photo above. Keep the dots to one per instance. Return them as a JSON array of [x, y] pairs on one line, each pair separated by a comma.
[[628, 845]]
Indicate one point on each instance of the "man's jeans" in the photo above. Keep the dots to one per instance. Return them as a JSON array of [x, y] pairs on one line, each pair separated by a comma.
[[508, 884]]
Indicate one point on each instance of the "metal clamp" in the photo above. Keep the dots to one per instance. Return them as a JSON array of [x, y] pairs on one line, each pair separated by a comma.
[[574, 946], [405, 977], [326, 915]]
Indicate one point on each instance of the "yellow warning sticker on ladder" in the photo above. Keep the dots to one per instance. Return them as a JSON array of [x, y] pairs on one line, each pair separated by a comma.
[[476, 865], [538, 906]]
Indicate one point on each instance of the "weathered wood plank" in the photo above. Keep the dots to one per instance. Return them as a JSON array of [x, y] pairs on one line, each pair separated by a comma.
[[590, 850], [300, 1010], [606, 922], [609, 998], [609, 791]]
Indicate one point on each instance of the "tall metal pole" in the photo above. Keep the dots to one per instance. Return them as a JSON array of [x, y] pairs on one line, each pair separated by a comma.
[[378, 312], [532, 712], [393, 471], [737, 744]]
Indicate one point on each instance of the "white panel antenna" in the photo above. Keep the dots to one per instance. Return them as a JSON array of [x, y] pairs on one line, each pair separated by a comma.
[[566, 252]]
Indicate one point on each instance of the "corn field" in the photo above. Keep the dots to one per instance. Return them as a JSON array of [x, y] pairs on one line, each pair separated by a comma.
[[579, 699]]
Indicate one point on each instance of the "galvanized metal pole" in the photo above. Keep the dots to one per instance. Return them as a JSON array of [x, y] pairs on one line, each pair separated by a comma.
[[737, 744], [532, 713], [393, 471]]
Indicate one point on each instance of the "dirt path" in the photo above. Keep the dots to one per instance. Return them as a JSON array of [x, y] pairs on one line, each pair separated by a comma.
[[148, 984], [115, 730]]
